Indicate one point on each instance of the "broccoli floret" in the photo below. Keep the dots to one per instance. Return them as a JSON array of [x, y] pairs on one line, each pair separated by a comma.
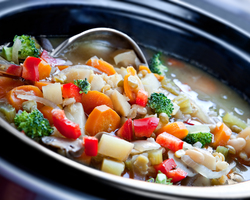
[[84, 85], [33, 124], [29, 47], [203, 138], [160, 104], [156, 66], [161, 178]]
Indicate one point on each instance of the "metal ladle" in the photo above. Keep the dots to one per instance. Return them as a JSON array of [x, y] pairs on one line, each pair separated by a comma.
[[110, 36]]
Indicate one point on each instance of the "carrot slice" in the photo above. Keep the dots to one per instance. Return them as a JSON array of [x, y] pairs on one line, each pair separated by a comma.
[[62, 67], [143, 67], [93, 99], [177, 129], [44, 70], [129, 89], [102, 118], [101, 65], [25, 90], [46, 110], [7, 84], [221, 134]]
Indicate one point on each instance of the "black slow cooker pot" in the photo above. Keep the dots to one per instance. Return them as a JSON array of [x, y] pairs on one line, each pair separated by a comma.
[[212, 44]]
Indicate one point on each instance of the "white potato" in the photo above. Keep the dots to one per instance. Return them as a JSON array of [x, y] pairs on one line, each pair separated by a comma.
[[53, 92], [121, 106], [112, 167], [114, 147]]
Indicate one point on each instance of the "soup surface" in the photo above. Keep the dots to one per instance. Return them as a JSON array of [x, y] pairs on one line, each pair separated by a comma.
[[169, 122]]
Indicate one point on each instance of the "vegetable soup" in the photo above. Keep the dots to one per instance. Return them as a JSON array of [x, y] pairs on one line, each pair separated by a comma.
[[167, 122]]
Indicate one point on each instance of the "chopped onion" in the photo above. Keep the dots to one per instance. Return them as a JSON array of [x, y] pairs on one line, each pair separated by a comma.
[[145, 145], [16, 47], [204, 171], [126, 57], [95, 70], [38, 99], [181, 165]]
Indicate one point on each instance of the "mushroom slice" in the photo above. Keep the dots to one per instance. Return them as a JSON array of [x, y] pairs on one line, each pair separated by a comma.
[[69, 146]]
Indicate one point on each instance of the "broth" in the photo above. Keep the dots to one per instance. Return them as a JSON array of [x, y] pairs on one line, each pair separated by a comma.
[[197, 103]]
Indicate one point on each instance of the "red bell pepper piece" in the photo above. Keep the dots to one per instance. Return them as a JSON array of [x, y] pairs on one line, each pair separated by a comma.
[[15, 70], [166, 166], [50, 60], [70, 90], [145, 127], [142, 98], [126, 131], [30, 68], [176, 174], [91, 146], [169, 141], [66, 127]]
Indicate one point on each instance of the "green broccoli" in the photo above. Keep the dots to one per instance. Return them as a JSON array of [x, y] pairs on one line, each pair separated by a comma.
[[29, 47], [160, 104], [202, 137], [156, 66], [161, 178], [84, 85], [33, 124]]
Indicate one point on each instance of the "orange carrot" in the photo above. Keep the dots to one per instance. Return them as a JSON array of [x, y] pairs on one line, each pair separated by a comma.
[[62, 67], [7, 84], [25, 90], [44, 70], [93, 99], [102, 118], [40, 84], [177, 129], [101, 65], [46, 110], [159, 77], [129, 89], [221, 134], [143, 67]]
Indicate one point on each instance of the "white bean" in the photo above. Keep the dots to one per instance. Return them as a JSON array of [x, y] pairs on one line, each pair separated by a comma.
[[237, 143]]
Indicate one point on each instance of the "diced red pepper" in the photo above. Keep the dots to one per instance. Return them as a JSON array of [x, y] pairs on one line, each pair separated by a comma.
[[169, 141], [166, 166], [66, 127], [126, 131], [176, 174], [30, 68], [50, 60], [142, 98], [14, 70], [144, 127], [91, 146], [70, 90]]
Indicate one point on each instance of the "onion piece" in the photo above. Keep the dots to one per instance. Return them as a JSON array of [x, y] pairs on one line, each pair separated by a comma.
[[16, 47], [181, 165], [38, 99], [204, 171], [145, 145]]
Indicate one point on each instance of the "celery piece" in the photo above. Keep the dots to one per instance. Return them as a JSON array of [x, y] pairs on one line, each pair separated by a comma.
[[198, 128], [7, 53], [8, 111], [223, 150], [155, 156], [230, 119]]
